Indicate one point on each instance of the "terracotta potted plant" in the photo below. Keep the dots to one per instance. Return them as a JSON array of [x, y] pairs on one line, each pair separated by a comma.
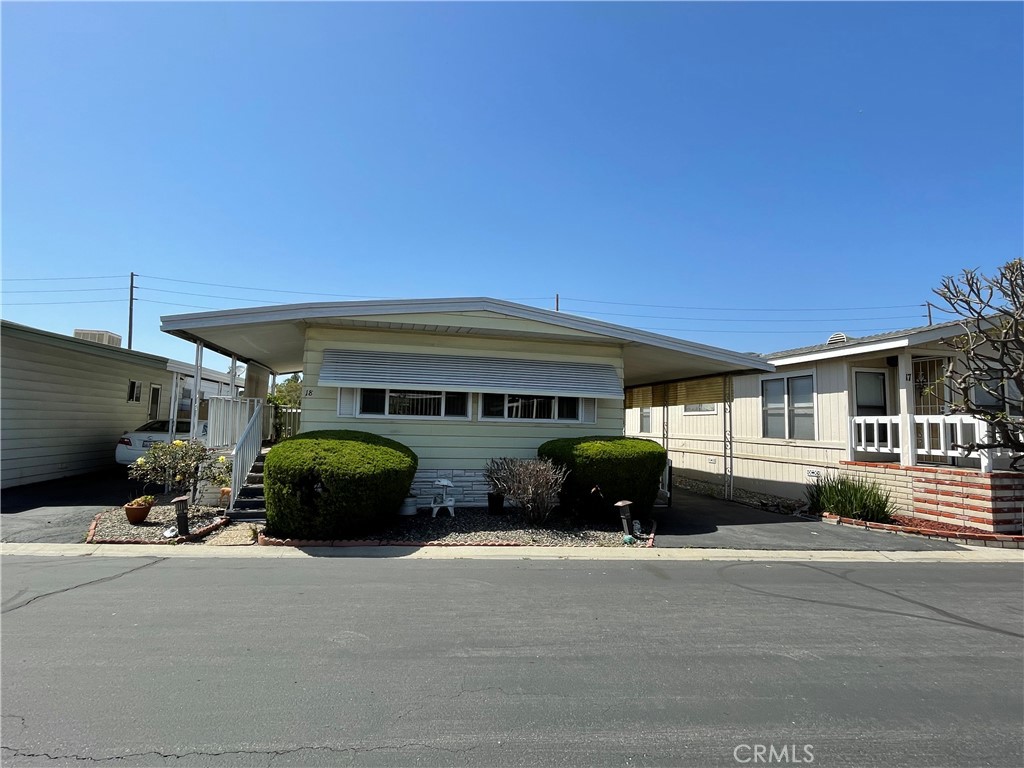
[[138, 509]]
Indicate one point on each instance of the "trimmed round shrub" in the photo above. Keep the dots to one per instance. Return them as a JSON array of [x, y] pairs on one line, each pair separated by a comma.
[[334, 484], [620, 467]]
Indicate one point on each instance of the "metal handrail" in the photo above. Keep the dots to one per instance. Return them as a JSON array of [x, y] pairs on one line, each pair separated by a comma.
[[244, 454]]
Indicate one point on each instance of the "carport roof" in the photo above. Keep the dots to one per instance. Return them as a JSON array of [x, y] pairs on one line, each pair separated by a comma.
[[274, 336]]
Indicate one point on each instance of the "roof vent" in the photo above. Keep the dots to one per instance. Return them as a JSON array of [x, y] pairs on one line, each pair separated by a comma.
[[836, 338]]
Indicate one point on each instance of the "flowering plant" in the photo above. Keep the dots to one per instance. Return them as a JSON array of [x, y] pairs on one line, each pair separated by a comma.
[[142, 501], [183, 464]]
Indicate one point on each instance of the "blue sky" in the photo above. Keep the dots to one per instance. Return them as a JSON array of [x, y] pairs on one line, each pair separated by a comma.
[[689, 168]]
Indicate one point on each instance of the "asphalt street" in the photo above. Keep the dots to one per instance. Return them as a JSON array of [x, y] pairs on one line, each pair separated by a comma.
[[60, 511], [363, 661]]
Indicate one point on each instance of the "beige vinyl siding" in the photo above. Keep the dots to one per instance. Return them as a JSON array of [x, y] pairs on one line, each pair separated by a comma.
[[65, 403], [454, 444], [779, 467]]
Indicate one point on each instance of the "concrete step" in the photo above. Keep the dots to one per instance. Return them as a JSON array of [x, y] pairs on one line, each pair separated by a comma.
[[248, 515]]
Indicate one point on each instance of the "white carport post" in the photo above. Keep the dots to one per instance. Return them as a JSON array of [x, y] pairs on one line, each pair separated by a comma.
[[196, 392], [908, 440], [727, 448]]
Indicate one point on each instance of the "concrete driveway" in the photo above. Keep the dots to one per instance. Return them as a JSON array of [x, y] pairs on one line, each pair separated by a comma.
[[699, 521], [60, 511]]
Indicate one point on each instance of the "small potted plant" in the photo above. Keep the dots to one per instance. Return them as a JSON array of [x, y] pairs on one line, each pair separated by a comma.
[[137, 510]]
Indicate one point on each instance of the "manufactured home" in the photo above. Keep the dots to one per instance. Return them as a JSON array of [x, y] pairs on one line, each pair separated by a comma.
[[457, 380], [874, 407], [65, 401]]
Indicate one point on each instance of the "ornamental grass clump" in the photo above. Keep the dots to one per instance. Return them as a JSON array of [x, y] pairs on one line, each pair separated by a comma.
[[850, 497], [182, 464]]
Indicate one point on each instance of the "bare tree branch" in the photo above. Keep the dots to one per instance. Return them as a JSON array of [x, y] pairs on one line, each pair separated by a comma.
[[987, 376]]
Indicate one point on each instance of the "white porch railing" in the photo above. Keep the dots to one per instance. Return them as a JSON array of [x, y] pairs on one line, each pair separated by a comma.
[[228, 417], [247, 448], [288, 422], [929, 436]]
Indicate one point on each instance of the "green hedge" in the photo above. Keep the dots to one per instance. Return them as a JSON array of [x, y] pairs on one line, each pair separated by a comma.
[[334, 484], [623, 468]]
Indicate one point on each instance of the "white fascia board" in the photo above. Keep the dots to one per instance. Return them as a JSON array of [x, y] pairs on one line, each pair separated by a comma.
[[315, 310], [189, 369], [830, 354]]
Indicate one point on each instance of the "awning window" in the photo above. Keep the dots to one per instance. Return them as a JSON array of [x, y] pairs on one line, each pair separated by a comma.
[[457, 373]]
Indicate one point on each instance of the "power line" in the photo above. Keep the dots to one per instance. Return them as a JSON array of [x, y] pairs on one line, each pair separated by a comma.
[[269, 290], [204, 295], [750, 308], [48, 303], [66, 290], [780, 320], [40, 279]]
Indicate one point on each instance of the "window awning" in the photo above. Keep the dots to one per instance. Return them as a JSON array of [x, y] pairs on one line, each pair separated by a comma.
[[713, 389], [375, 369]]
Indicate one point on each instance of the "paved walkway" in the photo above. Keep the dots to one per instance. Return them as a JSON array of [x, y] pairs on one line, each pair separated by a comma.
[[700, 521]]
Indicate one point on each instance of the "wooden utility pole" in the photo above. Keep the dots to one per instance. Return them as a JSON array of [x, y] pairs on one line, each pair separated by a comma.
[[131, 307]]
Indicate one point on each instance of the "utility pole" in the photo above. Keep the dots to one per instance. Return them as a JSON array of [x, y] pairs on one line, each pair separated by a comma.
[[131, 307], [929, 305], [556, 302]]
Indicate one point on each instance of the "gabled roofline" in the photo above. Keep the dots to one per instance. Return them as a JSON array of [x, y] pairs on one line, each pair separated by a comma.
[[882, 342], [179, 325]]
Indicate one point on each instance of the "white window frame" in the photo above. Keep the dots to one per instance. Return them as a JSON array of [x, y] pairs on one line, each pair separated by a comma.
[[135, 391], [358, 401], [650, 420], [784, 377], [554, 411], [712, 412]]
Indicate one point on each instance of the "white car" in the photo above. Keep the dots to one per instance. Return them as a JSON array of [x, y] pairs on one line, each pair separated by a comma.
[[134, 445]]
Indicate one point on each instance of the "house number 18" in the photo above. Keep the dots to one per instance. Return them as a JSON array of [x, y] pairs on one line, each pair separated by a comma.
[[307, 393]]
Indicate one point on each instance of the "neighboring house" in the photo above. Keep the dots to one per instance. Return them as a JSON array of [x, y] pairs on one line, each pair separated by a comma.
[[64, 402], [873, 407], [457, 380]]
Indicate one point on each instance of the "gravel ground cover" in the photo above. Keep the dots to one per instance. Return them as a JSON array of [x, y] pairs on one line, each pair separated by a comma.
[[113, 524], [469, 526], [478, 526]]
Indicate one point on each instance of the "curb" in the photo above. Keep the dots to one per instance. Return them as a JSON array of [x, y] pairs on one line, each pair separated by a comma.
[[961, 537]]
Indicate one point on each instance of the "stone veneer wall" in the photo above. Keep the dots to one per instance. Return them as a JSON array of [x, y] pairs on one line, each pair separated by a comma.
[[470, 488], [989, 501]]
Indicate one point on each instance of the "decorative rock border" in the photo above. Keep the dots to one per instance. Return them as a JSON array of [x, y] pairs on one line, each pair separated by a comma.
[[196, 535], [270, 541], [979, 537]]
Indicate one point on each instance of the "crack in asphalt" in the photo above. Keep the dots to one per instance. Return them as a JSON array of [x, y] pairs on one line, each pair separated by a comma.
[[271, 753], [949, 617], [8, 607]]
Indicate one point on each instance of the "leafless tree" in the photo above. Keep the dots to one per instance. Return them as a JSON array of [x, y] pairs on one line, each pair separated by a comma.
[[987, 377]]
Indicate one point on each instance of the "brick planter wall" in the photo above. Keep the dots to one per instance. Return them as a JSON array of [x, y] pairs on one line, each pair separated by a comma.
[[988, 501]]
